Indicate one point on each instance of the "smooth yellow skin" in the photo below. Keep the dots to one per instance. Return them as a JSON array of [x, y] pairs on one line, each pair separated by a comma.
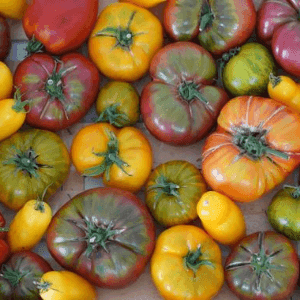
[[65, 285], [119, 63], [144, 3], [6, 80], [10, 120], [28, 226], [13, 9], [221, 218]]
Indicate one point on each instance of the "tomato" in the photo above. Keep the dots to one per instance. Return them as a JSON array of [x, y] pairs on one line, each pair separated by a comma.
[[29, 225], [118, 103], [181, 105], [247, 72], [4, 254], [30, 161], [264, 265], [65, 285], [279, 25], [60, 26], [5, 42], [19, 273], [172, 192], [219, 24], [105, 235], [124, 40], [186, 264], [60, 92], [3, 229], [6, 79], [144, 3], [13, 9], [254, 148], [123, 156], [283, 212]]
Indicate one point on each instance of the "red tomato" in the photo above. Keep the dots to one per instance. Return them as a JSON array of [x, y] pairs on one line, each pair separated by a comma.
[[61, 26], [5, 42], [60, 91], [279, 25], [4, 251], [2, 227]]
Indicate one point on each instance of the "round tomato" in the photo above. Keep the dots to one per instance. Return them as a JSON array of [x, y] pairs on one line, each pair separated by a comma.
[[181, 105], [123, 156], [264, 265], [105, 235], [6, 79], [30, 161], [219, 24], [247, 72], [60, 26], [124, 40], [60, 92], [255, 147], [13, 9], [5, 42], [19, 273], [283, 212], [172, 192], [118, 104]]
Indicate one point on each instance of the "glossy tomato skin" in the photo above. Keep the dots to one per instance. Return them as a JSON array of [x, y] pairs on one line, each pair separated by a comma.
[[181, 105], [264, 266], [61, 26], [5, 42], [47, 164], [279, 26], [112, 262], [74, 91], [254, 148], [30, 267], [4, 253], [231, 24]]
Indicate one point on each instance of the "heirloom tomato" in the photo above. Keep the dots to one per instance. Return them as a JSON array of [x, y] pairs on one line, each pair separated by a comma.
[[187, 264], [283, 212], [123, 156], [105, 235], [264, 266], [19, 274], [181, 105], [279, 25], [13, 9], [29, 162], [65, 285], [5, 42], [6, 79], [59, 26], [124, 40], [118, 104], [255, 147], [59, 91], [219, 24], [172, 192]]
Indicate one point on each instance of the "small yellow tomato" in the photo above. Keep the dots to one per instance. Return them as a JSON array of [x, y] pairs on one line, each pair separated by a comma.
[[13, 9], [144, 3], [29, 225], [6, 80], [221, 218], [65, 285]]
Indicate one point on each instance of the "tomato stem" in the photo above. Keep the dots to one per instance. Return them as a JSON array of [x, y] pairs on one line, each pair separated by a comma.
[[13, 276], [207, 17], [19, 105], [295, 192], [34, 46], [167, 187], [275, 80], [4, 229], [192, 260], [188, 90]]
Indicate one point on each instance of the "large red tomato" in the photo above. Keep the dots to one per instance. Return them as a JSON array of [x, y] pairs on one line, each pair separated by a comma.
[[255, 147], [181, 104], [59, 91], [279, 25], [5, 42], [61, 26]]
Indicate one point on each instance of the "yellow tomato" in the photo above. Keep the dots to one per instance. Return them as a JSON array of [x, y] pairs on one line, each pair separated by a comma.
[[123, 156], [65, 285], [124, 40], [221, 218], [13, 9], [6, 80], [29, 225], [12, 116], [187, 264], [144, 3]]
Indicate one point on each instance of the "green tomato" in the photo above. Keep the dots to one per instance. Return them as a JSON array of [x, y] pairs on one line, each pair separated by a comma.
[[247, 72], [284, 212]]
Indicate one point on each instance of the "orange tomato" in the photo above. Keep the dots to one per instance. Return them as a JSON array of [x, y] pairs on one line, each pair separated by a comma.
[[13, 9], [122, 156], [221, 218], [6, 80]]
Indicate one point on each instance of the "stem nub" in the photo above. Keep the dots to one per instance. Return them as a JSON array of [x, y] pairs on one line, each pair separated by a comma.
[[295, 193], [34, 46], [193, 260], [275, 80], [167, 187], [188, 90], [19, 105]]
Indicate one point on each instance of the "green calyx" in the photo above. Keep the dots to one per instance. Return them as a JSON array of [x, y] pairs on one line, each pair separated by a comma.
[[275, 80], [207, 17], [4, 229], [113, 116], [295, 192], [19, 105], [193, 260], [189, 91], [53, 85], [166, 187], [13, 276], [34, 46], [111, 157]]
